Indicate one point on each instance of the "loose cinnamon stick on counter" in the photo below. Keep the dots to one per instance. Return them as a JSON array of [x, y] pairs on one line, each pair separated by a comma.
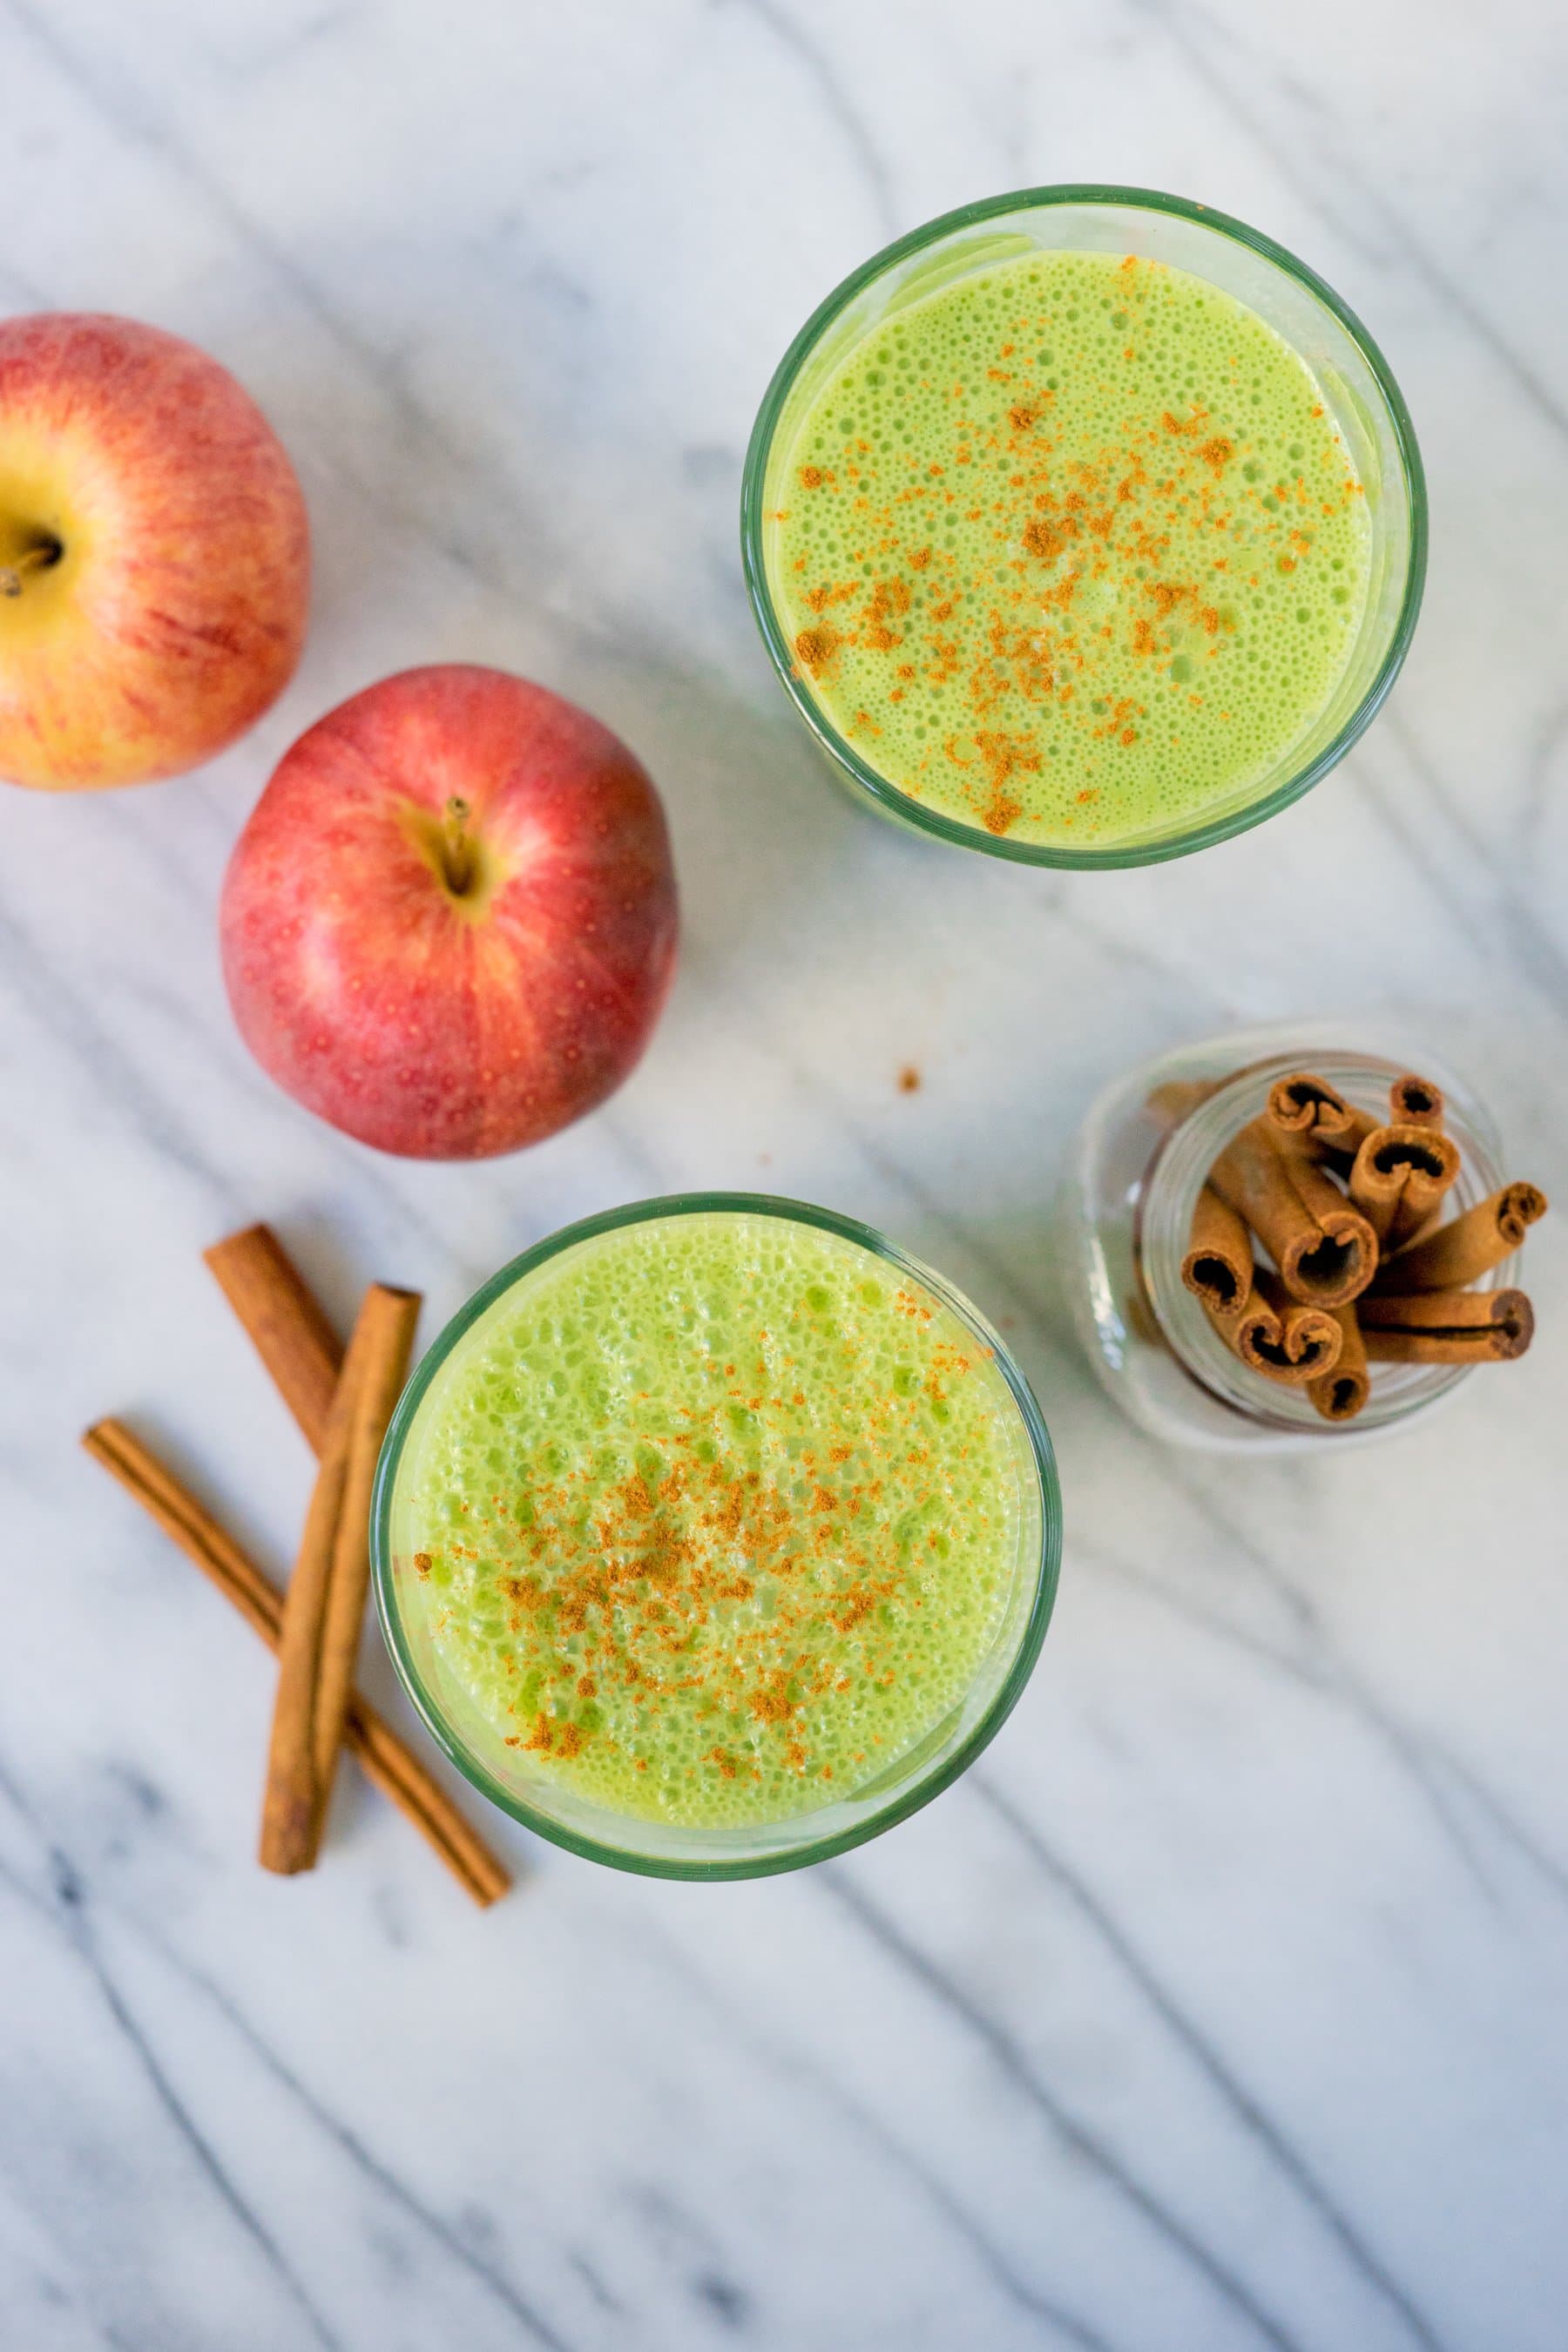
[[1400, 1175], [1316, 1117], [377, 1400], [1325, 1250], [1415, 1102], [1460, 1253], [290, 1333], [1448, 1327], [1340, 1394], [1218, 1268], [312, 1681], [388, 1762]]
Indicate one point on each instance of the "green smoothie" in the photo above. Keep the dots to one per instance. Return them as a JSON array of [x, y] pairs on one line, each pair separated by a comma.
[[714, 1517], [1071, 550]]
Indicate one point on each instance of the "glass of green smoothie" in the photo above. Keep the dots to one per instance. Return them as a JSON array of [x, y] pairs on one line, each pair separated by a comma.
[[1084, 527], [714, 1536]]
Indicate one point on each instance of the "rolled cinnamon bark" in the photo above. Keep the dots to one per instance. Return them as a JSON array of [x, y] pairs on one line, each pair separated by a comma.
[[1276, 1335], [325, 1599], [1400, 1175], [285, 1321], [1340, 1394], [1425, 1192], [1325, 1248], [1449, 1327], [1460, 1253], [1218, 1268], [1316, 1117], [1309, 1339], [349, 1581], [1415, 1102], [1248, 1328]]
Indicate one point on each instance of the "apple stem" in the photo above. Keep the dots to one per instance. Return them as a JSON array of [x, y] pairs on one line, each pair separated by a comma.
[[36, 558], [456, 851]]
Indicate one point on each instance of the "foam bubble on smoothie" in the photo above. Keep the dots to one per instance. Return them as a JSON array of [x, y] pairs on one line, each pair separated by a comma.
[[1072, 548], [716, 1517]]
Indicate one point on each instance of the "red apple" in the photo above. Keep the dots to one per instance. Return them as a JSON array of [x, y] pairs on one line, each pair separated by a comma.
[[449, 925], [154, 558]]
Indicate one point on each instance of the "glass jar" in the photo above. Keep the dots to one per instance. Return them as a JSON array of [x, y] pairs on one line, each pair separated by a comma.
[[502, 1767], [1307, 314], [1124, 1216]]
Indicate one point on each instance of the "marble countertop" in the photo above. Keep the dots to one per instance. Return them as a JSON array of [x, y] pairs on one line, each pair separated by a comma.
[[1222, 2006]]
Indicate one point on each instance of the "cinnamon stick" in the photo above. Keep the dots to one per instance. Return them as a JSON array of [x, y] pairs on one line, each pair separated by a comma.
[[325, 1599], [1415, 1102], [1247, 1327], [1400, 1176], [290, 1333], [389, 1763], [1460, 1252], [1276, 1335], [1340, 1394], [375, 1401], [1449, 1327], [1316, 1116], [1425, 1190], [1325, 1250], [1218, 1268], [1308, 1342]]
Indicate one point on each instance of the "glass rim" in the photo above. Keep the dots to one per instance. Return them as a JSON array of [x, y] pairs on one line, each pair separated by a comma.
[[900, 804], [1047, 1571]]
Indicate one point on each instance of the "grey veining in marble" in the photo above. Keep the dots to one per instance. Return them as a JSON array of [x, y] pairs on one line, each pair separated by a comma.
[[1222, 2006]]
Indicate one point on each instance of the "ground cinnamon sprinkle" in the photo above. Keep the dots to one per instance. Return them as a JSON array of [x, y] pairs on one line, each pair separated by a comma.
[[1126, 519], [816, 648], [637, 1603], [1127, 547], [733, 1571]]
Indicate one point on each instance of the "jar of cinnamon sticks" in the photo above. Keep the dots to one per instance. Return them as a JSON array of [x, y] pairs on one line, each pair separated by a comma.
[[1245, 1277]]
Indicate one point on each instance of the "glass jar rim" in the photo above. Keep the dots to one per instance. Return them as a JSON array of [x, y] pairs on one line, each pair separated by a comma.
[[841, 751], [906, 1800]]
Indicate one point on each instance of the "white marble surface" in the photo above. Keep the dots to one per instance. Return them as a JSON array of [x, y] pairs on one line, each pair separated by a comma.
[[1223, 2005]]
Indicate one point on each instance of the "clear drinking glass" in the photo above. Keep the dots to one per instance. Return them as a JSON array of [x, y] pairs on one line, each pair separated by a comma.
[[669, 1851], [1124, 1215], [1361, 392]]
